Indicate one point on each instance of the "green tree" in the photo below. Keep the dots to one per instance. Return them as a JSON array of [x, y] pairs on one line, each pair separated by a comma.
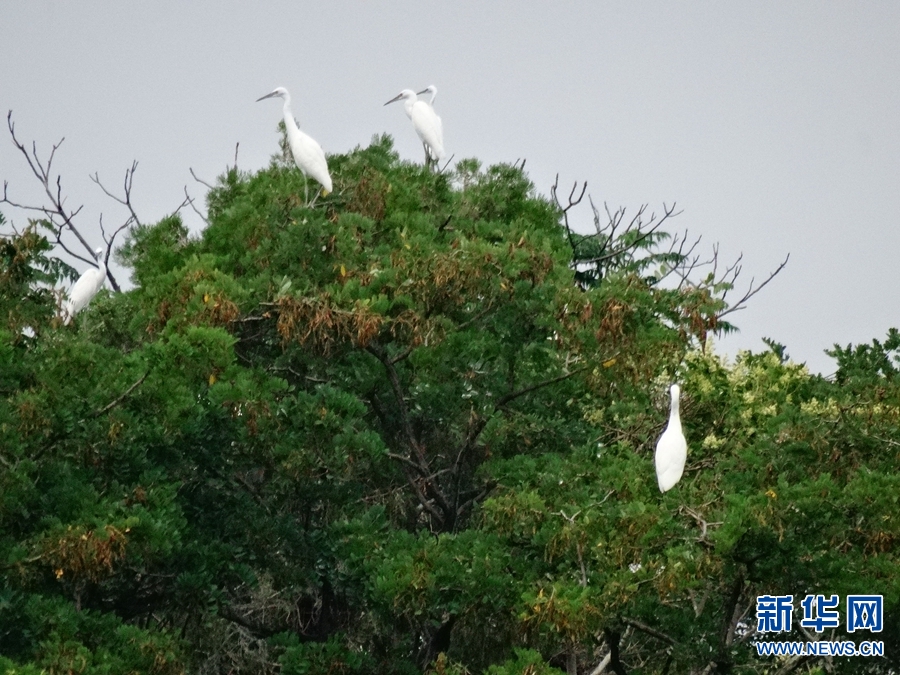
[[391, 433]]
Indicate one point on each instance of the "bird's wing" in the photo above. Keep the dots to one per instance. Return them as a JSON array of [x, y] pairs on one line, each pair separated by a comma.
[[429, 127], [85, 289], [310, 157], [671, 454], [440, 128]]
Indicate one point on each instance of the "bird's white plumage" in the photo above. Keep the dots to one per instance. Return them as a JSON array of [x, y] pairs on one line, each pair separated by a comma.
[[435, 121], [671, 448], [87, 286], [308, 154], [430, 88], [426, 122]]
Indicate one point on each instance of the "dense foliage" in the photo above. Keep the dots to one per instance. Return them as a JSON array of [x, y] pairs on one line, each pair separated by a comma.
[[391, 434]]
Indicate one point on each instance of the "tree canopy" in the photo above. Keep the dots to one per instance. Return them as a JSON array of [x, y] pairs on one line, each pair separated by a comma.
[[411, 430]]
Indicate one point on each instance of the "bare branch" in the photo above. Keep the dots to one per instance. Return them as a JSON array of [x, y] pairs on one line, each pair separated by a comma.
[[190, 201], [57, 217], [634, 225], [446, 164], [42, 173], [201, 181], [571, 203], [704, 526], [126, 200], [742, 303]]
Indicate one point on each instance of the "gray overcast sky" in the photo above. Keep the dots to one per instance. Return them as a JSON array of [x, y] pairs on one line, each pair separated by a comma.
[[774, 125]]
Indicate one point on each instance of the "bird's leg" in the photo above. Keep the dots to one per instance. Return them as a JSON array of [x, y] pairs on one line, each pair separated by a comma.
[[428, 160], [305, 190]]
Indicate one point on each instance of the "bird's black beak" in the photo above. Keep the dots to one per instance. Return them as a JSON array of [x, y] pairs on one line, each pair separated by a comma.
[[262, 98], [396, 98]]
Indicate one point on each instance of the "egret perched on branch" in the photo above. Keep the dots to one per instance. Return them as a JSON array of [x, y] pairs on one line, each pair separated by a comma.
[[671, 448], [425, 121], [85, 288], [308, 154]]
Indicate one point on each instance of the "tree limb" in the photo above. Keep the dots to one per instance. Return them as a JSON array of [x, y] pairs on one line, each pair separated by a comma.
[[120, 398], [648, 630], [612, 639], [742, 303]]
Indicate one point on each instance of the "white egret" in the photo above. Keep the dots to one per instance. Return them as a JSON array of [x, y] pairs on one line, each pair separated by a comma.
[[440, 125], [425, 121], [308, 154], [671, 448], [85, 288], [433, 91]]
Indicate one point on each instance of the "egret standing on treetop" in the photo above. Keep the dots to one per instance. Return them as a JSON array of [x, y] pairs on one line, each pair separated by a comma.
[[671, 448], [433, 91], [308, 154], [425, 121], [85, 288]]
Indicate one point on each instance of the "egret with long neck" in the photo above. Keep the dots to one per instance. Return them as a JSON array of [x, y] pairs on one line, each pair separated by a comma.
[[671, 448], [308, 154], [87, 286], [426, 122]]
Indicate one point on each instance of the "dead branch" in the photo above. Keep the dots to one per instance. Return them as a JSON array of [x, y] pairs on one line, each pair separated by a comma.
[[446, 164], [43, 174], [126, 200], [58, 218], [704, 526], [200, 180], [571, 203], [644, 230], [751, 291], [190, 201]]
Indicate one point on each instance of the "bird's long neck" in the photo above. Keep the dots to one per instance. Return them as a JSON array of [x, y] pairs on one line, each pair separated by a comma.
[[289, 120], [408, 104], [674, 416]]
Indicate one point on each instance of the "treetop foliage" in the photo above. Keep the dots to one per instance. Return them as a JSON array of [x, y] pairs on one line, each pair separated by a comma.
[[411, 430]]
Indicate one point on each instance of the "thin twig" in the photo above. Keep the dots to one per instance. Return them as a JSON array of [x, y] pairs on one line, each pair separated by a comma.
[[190, 201], [121, 398], [201, 181], [741, 304]]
